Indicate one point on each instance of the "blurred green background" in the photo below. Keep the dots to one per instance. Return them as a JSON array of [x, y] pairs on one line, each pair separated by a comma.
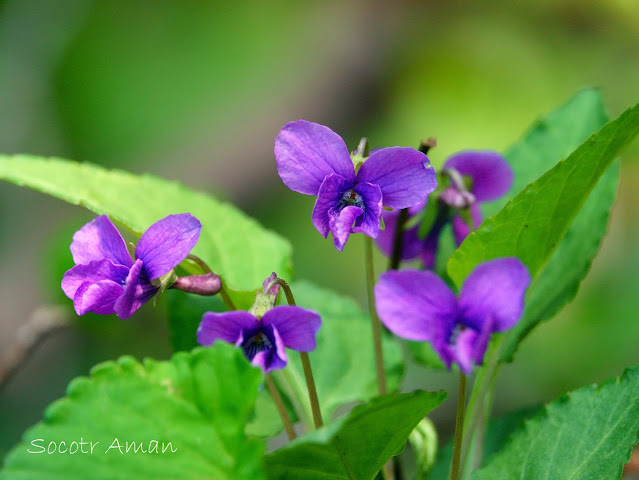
[[197, 90]]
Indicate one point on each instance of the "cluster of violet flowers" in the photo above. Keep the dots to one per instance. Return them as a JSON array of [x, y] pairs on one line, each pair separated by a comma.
[[106, 280], [356, 192]]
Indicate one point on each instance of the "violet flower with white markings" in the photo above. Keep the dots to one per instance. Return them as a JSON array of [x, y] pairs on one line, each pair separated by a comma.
[[106, 280], [314, 160], [418, 305], [265, 332]]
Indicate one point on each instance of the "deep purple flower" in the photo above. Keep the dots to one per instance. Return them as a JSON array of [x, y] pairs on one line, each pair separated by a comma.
[[418, 305], [314, 160], [263, 338], [106, 280], [475, 177]]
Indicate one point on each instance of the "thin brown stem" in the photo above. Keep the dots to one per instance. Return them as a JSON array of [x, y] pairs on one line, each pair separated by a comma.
[[42, 324], [455, 470], [199, 262], [312, 391], [226, 299], [306, 361], [281, 409]]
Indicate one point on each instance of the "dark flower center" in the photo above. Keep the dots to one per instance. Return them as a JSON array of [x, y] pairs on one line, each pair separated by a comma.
[[454, 335], [256, 344], [350, 198]]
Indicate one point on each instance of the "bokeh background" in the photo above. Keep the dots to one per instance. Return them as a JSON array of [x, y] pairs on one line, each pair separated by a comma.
[[196, 91]]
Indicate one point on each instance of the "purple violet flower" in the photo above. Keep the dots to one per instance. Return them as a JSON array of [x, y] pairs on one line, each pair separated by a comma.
[[106, 280], [314, 160], [484, 176], [418, 305], [265, 331]]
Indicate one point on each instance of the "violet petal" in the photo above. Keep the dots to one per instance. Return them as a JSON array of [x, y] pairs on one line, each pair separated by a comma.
[[430, 246], [98, 297], [491, 174], [99, 239], [167, 242], [416, 305], [464, 349], [307, 152], [341, 223], [444, 350], [330, 192], [275, 357], [296, 326], [137, 291], [368, 223], [227, 326], [494, 291], [460, 228], [93, 272], [403, 174], [411, 243]]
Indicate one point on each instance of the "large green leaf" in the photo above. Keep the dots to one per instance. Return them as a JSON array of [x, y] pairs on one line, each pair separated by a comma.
[[356, 446], [185, 314], [199, 402], [531, 225], [555, 225], [558, 281], [343, 362], [587, 434], [234, 245], [552, 137]]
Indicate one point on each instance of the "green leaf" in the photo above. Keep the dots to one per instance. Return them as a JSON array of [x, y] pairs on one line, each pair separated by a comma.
[[531, 225], [424, 353], [184, 316], [343, 362], [558, 281], [198, 402], [587, 434], [551, 138], [356, 446], [232, 244], [554, 225]]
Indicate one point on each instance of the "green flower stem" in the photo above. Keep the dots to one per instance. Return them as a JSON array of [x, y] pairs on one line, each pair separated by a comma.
[[289, 381], [279, 404], [483, 388], [306, 362], [396, 255], [455, 470], [375, 323], [484, 418], [388, 469], [312, 391], [226, 299]]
